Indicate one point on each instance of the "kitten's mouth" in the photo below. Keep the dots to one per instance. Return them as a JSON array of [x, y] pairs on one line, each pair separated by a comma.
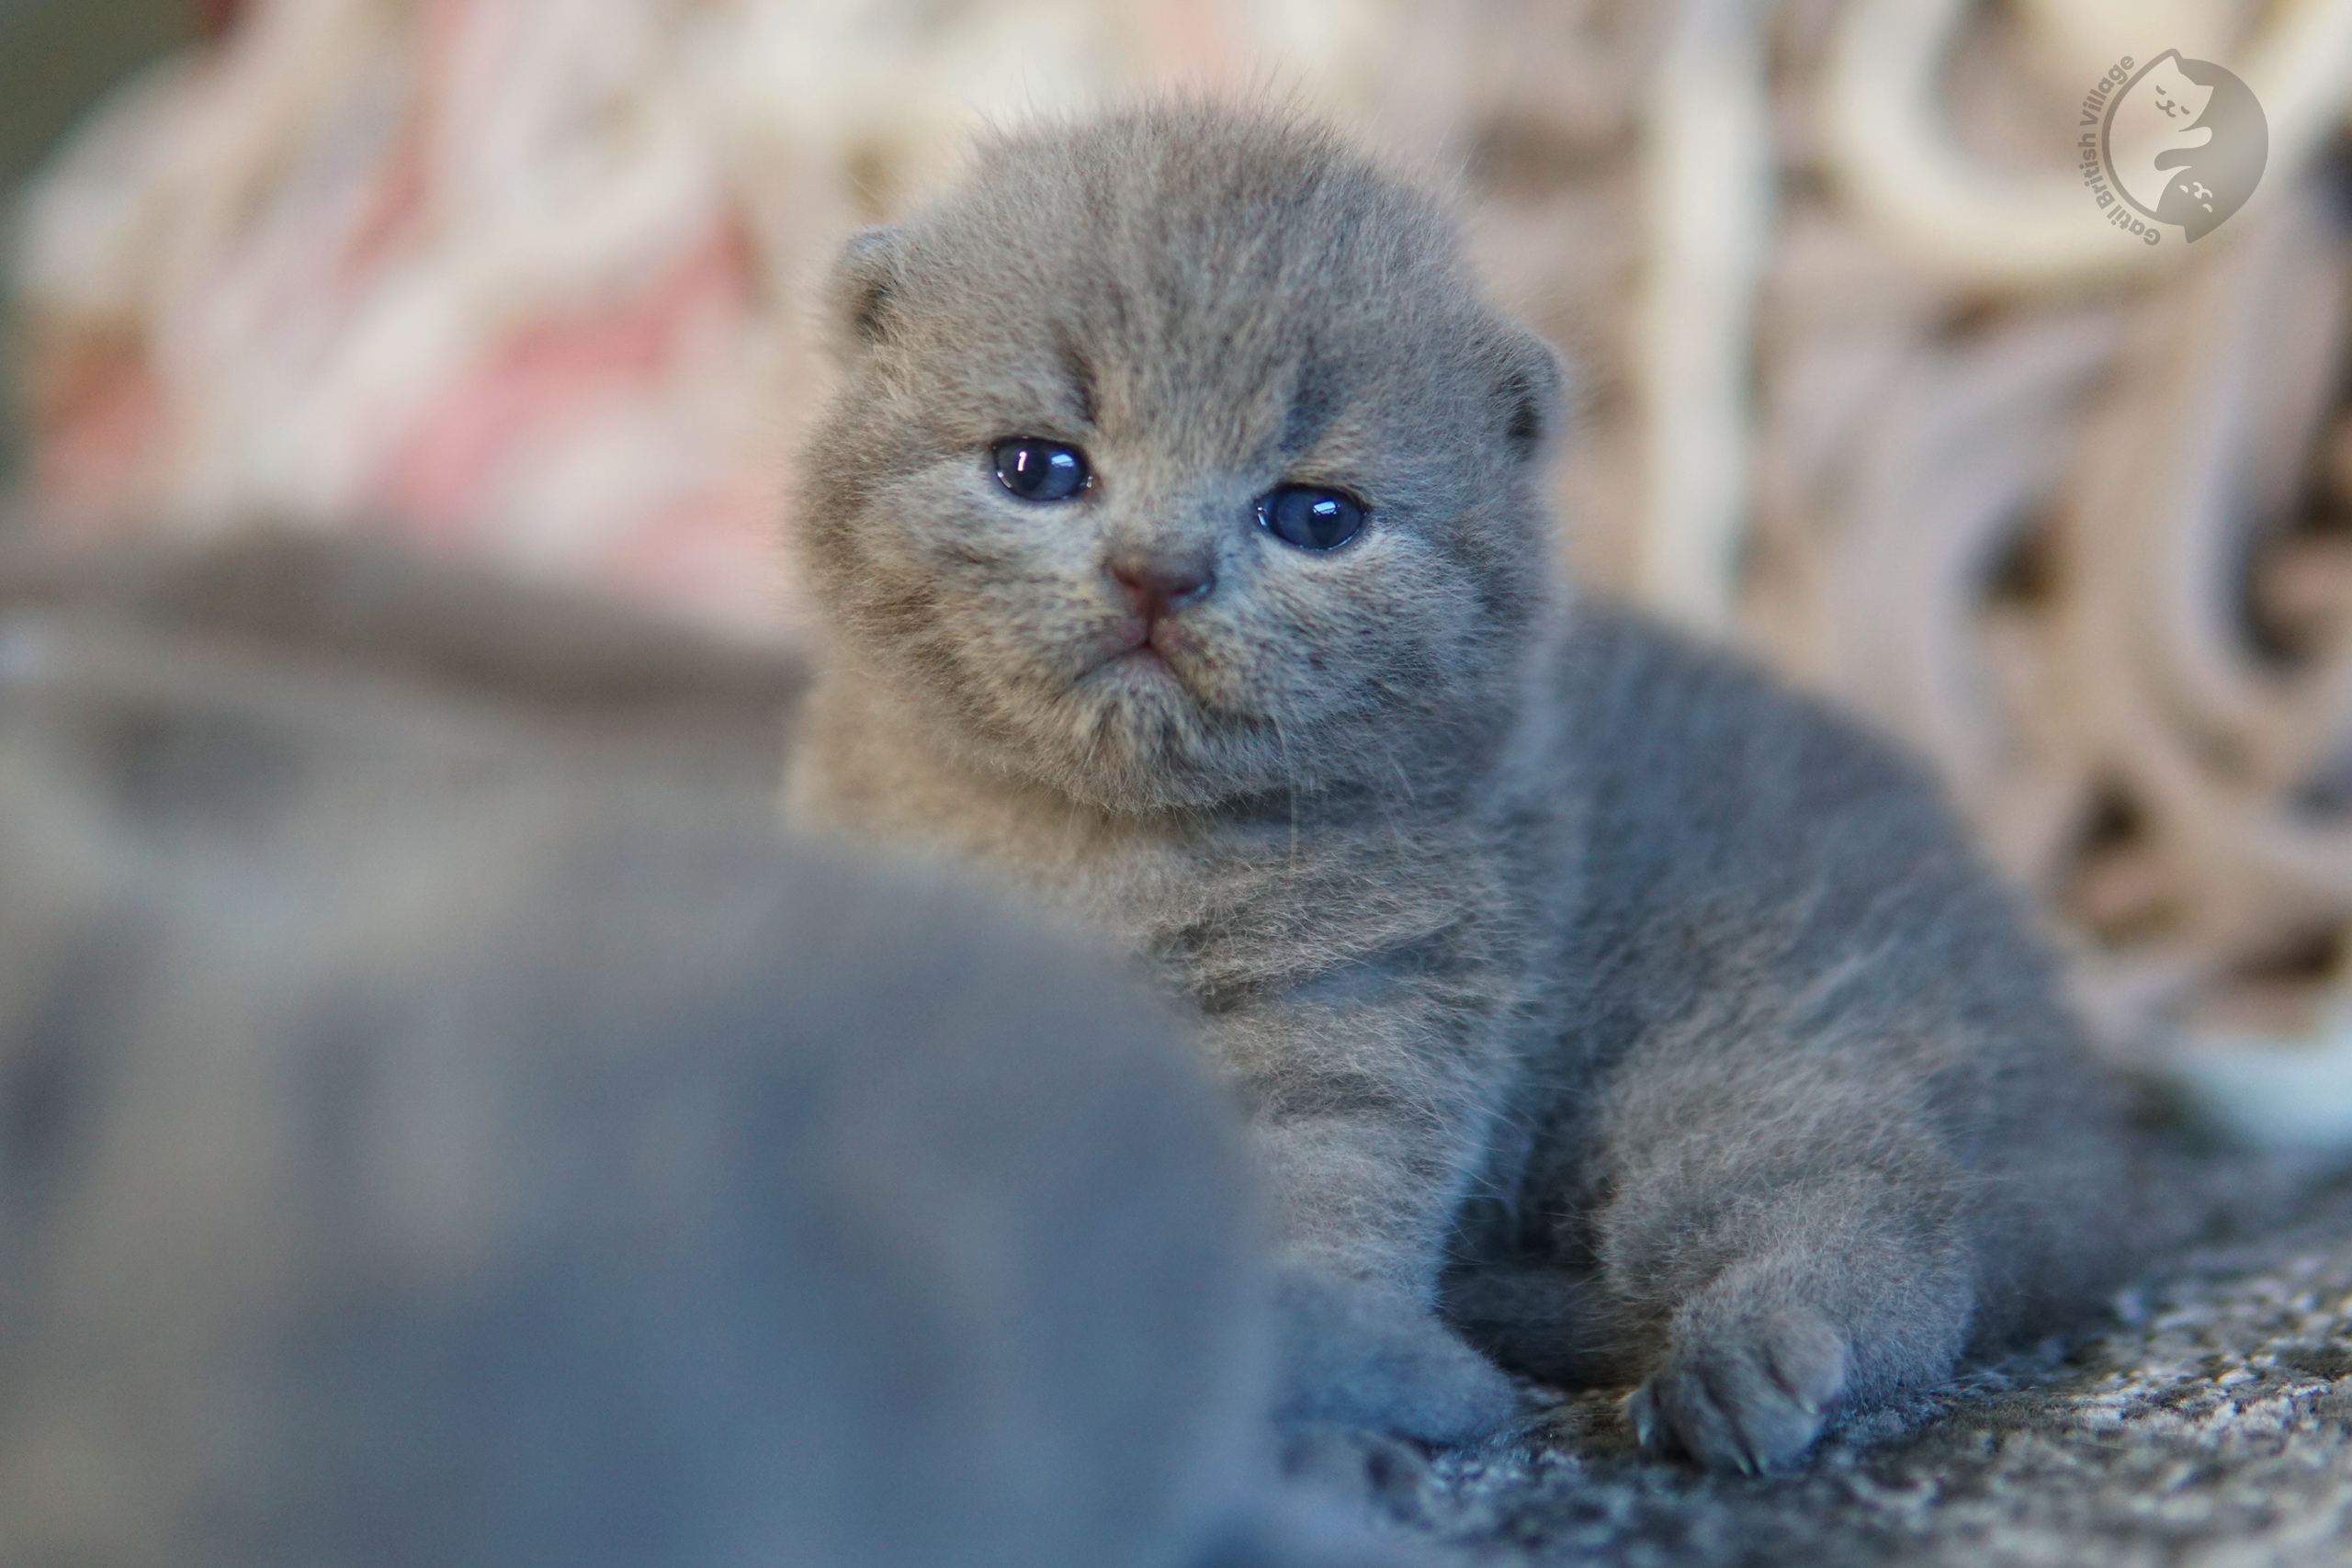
[[1136, 652]]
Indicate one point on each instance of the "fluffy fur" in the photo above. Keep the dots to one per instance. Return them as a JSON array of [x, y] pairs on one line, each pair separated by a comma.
[[413, 1152], [1586, 991]]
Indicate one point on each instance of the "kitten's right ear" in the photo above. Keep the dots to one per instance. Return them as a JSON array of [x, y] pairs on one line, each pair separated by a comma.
[[859, 297], [1531, 390]]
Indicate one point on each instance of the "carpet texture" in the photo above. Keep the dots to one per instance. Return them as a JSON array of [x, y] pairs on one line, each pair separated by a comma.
[[2209, 1422]]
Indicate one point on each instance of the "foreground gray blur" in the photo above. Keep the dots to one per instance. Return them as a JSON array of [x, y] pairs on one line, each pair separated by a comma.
[[442, 1121]]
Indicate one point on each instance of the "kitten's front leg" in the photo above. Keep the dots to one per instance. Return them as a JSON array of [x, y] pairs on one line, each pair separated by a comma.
[[1366, 1131], [1798, 1234], [1759, 1359]]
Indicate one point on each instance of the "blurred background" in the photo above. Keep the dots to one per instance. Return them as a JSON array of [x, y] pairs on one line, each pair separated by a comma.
[[1867, 382]]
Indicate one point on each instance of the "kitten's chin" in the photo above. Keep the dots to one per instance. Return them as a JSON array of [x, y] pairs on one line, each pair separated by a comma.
[[1132, 737]]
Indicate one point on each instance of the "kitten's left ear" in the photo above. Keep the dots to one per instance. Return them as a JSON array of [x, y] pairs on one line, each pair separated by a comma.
[[858, 298], [1531, 390]]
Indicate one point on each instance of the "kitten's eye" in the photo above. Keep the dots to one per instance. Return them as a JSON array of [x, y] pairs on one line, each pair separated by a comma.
[[1310, 517], [1040, 471]]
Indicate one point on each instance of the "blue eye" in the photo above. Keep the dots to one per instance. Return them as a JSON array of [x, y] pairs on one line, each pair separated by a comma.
[[1040, 471], [1310, 517]]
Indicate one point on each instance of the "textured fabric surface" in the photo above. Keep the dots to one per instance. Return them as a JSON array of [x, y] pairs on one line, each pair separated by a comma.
[[2208, 1423]]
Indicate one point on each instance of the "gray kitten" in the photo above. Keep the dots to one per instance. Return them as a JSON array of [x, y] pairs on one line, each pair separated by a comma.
[[429, 1136], [1180, 526]]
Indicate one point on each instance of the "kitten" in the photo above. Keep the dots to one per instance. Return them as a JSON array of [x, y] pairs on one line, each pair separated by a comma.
[[426, 1140], [1179, 529]]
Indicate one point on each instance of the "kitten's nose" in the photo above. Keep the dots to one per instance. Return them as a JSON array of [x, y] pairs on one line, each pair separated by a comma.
[[1161, 585]]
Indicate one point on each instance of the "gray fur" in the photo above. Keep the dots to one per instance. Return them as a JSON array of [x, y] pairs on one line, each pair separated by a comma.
[[1645, 1020], [413, 1150]]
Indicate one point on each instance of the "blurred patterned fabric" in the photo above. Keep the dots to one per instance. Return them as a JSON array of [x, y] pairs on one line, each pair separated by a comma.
[[1869, 384]]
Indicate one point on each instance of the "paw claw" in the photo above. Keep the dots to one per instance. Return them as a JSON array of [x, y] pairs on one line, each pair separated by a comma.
[[1641, 1413], [1747, 1398]]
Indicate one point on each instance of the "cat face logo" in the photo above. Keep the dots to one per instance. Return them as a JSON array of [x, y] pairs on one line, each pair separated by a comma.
[[2181, 142]]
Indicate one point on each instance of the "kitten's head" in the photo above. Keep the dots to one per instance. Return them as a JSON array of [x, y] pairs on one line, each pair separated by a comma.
[[1179, 461]]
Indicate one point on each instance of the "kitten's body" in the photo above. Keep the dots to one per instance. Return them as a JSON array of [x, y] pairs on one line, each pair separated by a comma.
[[1644, 1019]]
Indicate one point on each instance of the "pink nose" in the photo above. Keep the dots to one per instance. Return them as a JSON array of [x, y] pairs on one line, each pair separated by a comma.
[[1157, 586]]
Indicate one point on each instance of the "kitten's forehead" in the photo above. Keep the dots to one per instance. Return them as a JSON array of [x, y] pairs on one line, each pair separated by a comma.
[[1176, 263]]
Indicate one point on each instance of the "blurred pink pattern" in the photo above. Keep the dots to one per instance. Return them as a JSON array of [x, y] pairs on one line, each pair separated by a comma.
[[360, 327]]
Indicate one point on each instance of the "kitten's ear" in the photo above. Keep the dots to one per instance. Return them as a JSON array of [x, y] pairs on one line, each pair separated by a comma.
[[858, 301], [1531, 390]]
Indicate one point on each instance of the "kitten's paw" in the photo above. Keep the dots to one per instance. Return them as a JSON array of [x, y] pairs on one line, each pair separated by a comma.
[[1748, 1396], [1356, 1354]]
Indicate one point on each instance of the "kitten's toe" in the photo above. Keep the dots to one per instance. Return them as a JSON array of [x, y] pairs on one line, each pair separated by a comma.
[[1749, 1397]]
